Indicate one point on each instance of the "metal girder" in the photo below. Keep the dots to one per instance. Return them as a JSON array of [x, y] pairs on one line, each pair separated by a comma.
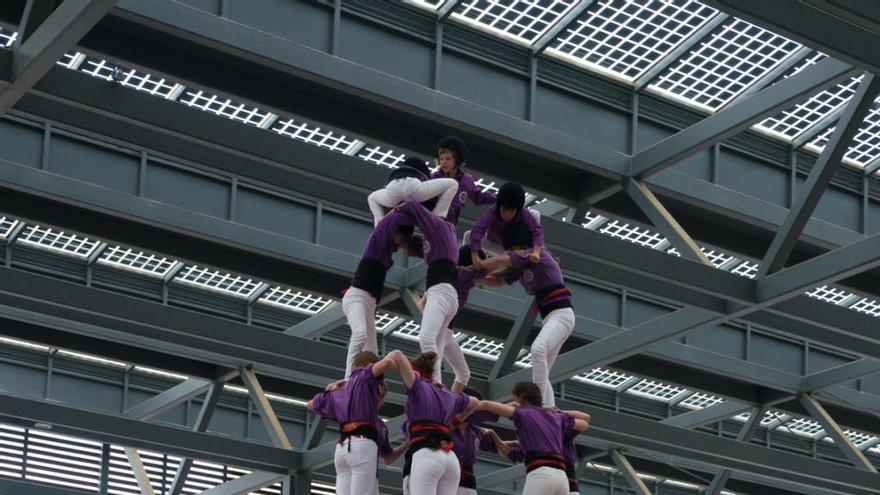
[[550, 35], [200, 425], [629, 472], [245, 484], [832, 429], [826, 26], [447, 8], [314, 431], [144, 435], [736, 118], [503, 475], [820, 176], [840, 374], [169, 399], [329, 318], [708, 415], [519, 333], [771, 75], [665, 223], [681, 48], [267, 414], [58, 33], [744, 435], [9, 486], [810, 133], [35, 12], [139, 472]]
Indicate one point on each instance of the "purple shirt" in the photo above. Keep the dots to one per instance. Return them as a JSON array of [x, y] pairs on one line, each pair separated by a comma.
[[467, 191], [380, 245], [490, 225], [467, 442], [426, 401], [356, 400], [539, 429], [515, 453], [569, 451], [534, 277], [466, 281], [438, 241]]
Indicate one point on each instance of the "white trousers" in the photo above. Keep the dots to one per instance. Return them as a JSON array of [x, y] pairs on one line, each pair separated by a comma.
[[466, 491], [359, 308], [441, 304], [434, 472], [557, 326], [356, 470], [451, 353], [546, 481], [399, 190]]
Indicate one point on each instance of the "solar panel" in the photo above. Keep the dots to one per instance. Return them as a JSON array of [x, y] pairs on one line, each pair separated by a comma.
[[521, 20]]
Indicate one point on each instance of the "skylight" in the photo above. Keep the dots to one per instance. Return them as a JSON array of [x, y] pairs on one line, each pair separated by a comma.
[[128, 77], [7, 225], [137, 261], [865, 146], [225, 107], [296, 300], [57, 241], [215, 280], [521, 20]]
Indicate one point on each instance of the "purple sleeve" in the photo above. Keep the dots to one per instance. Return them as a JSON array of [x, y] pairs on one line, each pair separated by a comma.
[[476, 194], [383, 235], [423, 217], [479, 228], [461, 401], [382, 439], [567, 424], [534, 227], [516, 454], [516, 260], [480, 417], [487, 443], [322, 405]]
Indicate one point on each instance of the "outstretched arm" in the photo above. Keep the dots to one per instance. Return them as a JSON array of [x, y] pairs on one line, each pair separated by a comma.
[[581, 425], [496, 262], [403, 367], [500, 447], [496, 408], [386, 363], [468, 409], [578, 415]]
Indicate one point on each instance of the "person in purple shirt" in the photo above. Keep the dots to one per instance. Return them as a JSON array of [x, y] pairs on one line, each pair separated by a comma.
[[451, 157], [509, 207], [363, 436], [359, 300], [410, 181], [542, 279], [432, 469], [468, 437], [540, 431]]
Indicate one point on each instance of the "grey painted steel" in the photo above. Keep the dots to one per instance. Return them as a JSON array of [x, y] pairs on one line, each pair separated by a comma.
[[168, 399], [140, 473], [737, 118], [104, 481], [447, 8], [329, 318], [245, 484], [57, 34], [522, 328], [681, 48], [553, 31], [708, 415], [200, 425], [500, 476], [665, 223], [776, 72], [832, 429], [116, 429], [744, 435], [629, 472], [872, 167], [314, 432], [14, 487], [267, 414], [841, 374], [35, 12], [820, 176]]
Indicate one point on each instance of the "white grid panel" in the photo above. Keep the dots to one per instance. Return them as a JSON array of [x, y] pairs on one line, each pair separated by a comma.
[[724, 65], [869, 307], [793, 122], [384, 320], [769, 416], [858, 437], [132, 78], [593, 221], [700, 401], [717, 258], [865, 146], [626, 37], [604, 377], [522, 20], [137, 261], [51, 456], [312, 134], [57, 241], [225, 107], [72, 60], [486, 185], [409, 330], [381, 156], [655, 390], [524, 360], [11, 450], [6, 226], [7, 38], [831, 295], [426, 4], [804, 427], [632, 233], [482, 347], [296, 300], [215, 280], [746, 269]]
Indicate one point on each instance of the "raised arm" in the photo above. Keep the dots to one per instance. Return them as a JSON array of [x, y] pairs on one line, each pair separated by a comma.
[[471, 406], [500, 446], [386, 363], [498, 408], [579, 415], [581, 425], [403, 367]]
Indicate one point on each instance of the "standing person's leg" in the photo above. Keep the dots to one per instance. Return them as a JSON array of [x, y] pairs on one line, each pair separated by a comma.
[[448, 482], [557, 326], [382, 200], [443, 189], [441, 304], [465, 491], [343, 469], [454, 357], [359, 308], [363, 460], [546, 481], [427, 468]]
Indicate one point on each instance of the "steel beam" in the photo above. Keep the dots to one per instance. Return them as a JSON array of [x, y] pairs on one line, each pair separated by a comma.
[[737, 118], [872, 167], [820, 176], [771, 75], [665, 223], [681, 48], [314, 431], [503, 475], [140, 473], [553, 31], [267, 414], [840, 374], [58, 33], [169, 399], [145, 435], [35, 13], [832, 429], [708, 415], [13, 487], [200, 425], [446, 9], [810, 133], [522, 328], [329, 318], [744, 435], [628, 472], [245, 484]]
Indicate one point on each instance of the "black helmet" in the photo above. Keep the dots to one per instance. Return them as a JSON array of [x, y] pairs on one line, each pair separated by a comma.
[[411, 167], [457, 145], [511, 195], [464, 256], [516, 234]]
